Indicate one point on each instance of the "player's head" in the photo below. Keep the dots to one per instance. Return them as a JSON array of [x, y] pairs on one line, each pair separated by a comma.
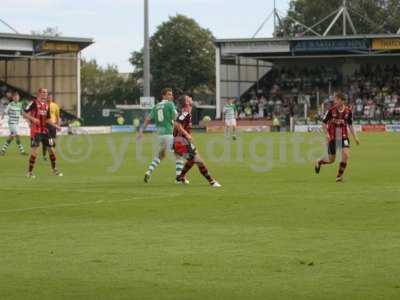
[[340, 99], [167, 94], [15, 96], [186, 102], [231, 100], [42, 94]]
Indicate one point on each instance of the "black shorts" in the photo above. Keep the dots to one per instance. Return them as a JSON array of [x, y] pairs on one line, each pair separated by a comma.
[[52, 132], [42, 138], [335, 144]]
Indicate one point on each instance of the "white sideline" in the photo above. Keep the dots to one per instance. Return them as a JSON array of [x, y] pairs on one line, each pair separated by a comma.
[[79, 204]]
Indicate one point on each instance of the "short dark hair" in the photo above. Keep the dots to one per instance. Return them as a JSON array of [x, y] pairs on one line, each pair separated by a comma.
[[165, 91]]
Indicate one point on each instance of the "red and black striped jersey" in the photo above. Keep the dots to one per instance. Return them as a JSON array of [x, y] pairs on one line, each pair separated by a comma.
[[338, 121], [185, 119], [38, 110]]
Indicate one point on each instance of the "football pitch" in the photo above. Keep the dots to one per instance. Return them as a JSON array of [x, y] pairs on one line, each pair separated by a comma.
[[275, 230]]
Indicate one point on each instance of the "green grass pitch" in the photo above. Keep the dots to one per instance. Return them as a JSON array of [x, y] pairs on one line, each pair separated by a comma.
[[275, 230]]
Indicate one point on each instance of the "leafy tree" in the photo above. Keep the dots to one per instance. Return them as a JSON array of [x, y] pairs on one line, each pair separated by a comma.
[[105, 86], [182, 56]]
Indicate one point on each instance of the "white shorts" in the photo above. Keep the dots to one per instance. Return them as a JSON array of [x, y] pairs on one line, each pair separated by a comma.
[[230, 122], [165, 142], [13, 129]]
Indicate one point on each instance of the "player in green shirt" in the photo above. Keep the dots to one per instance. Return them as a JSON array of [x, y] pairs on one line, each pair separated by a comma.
[[163, 115], [14, 113], [230, 115]]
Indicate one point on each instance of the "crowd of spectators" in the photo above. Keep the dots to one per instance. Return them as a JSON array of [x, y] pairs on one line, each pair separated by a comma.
[[260, 107], [372, 90]]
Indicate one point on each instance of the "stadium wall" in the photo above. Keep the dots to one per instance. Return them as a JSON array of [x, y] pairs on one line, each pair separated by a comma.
[[216, 128], [358, 128], [58, 74]]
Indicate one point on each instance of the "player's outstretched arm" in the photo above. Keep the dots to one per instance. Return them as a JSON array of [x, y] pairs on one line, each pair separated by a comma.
[[354, 134], [351, 128], [325, 130], [51, 123], [147, 121], [58, 117]]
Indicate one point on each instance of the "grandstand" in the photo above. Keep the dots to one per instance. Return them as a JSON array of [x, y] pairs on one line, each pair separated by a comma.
[[28, 62], [278, 75], [297, 75]]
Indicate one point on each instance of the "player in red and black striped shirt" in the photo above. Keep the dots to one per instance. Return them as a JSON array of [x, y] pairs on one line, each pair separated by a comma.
[[336, 124], [183, 144], [38, 113]]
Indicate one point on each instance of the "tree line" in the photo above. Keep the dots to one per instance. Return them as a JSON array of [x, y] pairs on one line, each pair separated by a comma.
[[183, 55]]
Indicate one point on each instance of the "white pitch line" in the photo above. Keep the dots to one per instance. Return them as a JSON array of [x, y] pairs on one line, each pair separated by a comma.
[[80, 204], [78, 190]]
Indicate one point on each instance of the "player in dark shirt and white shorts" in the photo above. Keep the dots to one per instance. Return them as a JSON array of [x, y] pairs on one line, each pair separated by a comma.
[[336, 124]]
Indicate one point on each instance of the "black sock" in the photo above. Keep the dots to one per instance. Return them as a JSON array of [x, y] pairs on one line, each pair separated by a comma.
[[44, 150], [53, 160], [32, 160], [204, 171], [20, 147], [189, 164], [342, 167]]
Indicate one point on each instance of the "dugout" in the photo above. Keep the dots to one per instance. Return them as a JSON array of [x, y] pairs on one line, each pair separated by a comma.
[[28, 62], [245, 66]]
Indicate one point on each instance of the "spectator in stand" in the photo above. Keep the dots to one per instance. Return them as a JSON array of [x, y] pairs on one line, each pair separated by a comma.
[[397, 112], [372, 110], [270, 107], [389, 107], [378, 112], [367, 109], [242, 114], [278, 106], [359, 107], [261, 107], [247, 111], [254, 107]]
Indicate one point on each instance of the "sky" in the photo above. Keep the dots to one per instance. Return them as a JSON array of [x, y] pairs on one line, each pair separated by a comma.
[[117, 25]]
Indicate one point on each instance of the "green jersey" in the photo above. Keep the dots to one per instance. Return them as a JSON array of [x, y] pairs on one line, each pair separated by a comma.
[[14, 111], [163, 115], [230, 111]]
